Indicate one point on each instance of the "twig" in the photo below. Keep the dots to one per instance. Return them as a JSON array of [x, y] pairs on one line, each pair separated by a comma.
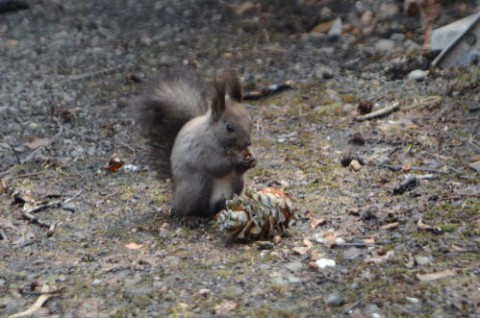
[[52, 228], [474, 109], [3, 235], [37, 305], [32, 218], [50, 292], [30, 156], [44, 206], [92, 75], [270, 90], [379, 113], [421, 169], [74, 196], [360, 244]]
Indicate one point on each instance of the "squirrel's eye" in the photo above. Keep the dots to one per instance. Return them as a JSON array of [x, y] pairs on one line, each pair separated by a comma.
[[230, 127]]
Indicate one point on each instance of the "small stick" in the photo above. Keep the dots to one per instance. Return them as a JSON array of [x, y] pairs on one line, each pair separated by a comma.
[[37, 305], [50, 292], [270, 90], [93, 75], [421, 169], [360, 244], [32, 218], [379, 113], [30, 156], [3, 235]]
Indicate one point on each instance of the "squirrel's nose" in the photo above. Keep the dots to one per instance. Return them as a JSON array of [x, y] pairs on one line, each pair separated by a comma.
[[247, 143]]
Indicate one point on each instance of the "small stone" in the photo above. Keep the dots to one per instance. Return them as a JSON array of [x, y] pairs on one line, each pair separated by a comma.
[[294, 266], [293, 279], [397, 37], [422, 260], [336, 29], [69, 206], [322, 72], [334, 300], [387, 11], [417, 75], [355, 165], [325, 262], [413, 300], [385, 45]]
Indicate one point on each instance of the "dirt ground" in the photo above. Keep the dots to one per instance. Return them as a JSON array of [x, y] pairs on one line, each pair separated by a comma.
[[102, 243]]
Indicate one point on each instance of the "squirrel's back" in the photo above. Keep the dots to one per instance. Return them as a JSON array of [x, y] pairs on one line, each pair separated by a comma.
[[165, 106]]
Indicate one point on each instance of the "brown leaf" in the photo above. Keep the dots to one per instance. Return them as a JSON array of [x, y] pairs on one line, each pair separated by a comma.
[[34, 142], [246, 7], [133, 246], [114, 164], [225, 308], [277, 239], [307, 243], [380, 259], [368, 22], [314, 222], [330, 238], [434, 276], [314, 255], [300, 250]]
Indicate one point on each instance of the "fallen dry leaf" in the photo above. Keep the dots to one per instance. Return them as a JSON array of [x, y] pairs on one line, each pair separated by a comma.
[[34, 142], [380, 259], [434, 276], [246, 7], [133, 246], [368, 22], [277, 239], [114, 164], [314, 222], [225, 308], [300, 250], [307, 242]]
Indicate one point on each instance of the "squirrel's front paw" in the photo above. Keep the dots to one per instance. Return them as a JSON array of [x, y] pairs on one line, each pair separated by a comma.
[[246, 160]]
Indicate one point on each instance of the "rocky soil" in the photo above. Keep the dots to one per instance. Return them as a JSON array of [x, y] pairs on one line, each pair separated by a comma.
[[387, 221]]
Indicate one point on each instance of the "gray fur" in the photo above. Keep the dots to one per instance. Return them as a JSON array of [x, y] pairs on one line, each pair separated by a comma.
[[168, 103], [186, 121]]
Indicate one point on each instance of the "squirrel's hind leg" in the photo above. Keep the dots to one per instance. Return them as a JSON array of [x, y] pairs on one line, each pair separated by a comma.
[[191, 197]]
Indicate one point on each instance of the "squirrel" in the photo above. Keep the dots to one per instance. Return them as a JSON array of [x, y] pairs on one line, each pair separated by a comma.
[[199, 133]]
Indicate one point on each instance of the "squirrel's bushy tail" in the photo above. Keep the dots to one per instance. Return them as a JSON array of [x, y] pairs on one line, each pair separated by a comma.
[[166, 104]]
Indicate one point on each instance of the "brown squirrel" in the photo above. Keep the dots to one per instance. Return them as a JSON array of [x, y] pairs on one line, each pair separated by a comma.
[[199, 133]]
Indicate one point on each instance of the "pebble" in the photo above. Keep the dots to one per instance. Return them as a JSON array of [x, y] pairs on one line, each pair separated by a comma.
[[336, 29], [417, 75], [69, 206], [323, 72], [294, 266], [413, 300], [385, 45], [422, 260], [334, 300]]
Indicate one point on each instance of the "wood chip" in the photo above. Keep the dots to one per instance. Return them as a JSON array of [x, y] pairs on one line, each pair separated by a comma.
[[434, 276]]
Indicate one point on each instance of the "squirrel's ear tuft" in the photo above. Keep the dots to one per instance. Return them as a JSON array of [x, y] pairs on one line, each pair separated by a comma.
[[218, 101], [234, 88]]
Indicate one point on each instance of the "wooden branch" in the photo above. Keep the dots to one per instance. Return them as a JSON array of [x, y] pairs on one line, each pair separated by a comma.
[[268, 91], [379, 113]]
